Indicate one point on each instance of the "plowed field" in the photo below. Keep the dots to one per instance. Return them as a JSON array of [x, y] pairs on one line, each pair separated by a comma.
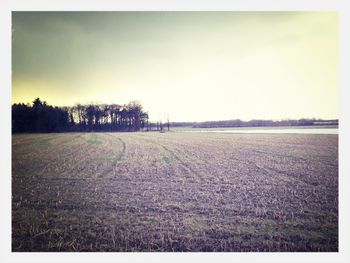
[[174, 192]]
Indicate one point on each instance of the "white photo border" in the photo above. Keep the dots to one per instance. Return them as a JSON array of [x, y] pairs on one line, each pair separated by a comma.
[[6, 8]]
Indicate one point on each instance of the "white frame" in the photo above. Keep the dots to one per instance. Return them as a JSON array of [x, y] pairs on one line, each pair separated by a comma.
[[7, 6]]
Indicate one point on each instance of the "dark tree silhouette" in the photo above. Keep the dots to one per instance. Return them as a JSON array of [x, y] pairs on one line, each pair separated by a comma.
[[41, 117]]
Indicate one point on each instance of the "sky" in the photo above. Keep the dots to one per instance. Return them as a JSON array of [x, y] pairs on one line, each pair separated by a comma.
[[185, 66]]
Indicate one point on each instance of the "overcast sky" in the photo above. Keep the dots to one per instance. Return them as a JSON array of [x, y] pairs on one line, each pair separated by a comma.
[[190, 66]]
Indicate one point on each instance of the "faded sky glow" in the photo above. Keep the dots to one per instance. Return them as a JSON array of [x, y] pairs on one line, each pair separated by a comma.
[[190, 66]]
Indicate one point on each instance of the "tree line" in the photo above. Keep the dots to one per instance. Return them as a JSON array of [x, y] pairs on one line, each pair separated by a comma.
[[41, 117], [254, 123], [262, 123]]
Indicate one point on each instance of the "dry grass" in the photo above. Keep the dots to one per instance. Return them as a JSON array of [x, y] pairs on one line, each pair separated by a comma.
[[174, 192]]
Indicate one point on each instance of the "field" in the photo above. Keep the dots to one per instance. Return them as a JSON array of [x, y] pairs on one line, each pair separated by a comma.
[[174, 192]]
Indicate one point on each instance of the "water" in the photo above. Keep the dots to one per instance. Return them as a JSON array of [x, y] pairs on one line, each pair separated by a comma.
[[270, 130]]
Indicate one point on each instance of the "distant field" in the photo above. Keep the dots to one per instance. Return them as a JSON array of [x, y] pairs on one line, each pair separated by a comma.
[[174, 191]]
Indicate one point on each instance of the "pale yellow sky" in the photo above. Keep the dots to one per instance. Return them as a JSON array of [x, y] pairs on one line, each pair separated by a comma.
[[190, 66]]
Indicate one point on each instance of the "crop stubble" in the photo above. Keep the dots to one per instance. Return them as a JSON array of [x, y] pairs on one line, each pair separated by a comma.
[[174, 192]]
